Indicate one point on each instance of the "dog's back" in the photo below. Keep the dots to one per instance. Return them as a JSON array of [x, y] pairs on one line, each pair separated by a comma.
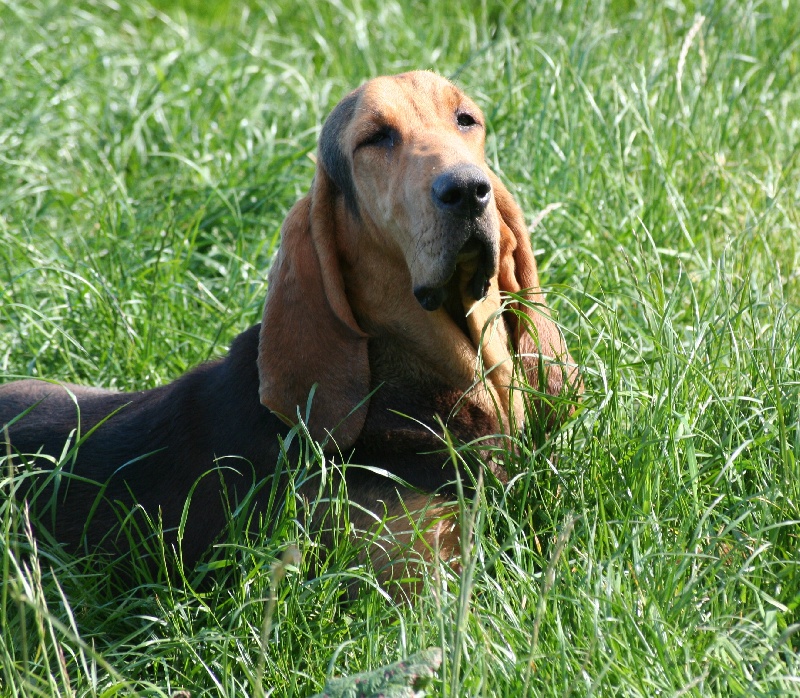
[[96, 453]]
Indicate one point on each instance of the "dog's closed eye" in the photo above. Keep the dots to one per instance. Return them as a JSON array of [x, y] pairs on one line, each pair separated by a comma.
[[384, 137]]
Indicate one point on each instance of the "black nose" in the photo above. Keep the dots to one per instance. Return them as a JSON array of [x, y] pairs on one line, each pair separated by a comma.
[[463, 190]]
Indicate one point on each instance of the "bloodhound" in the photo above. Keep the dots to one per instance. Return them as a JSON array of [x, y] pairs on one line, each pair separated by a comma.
[[388, 316]]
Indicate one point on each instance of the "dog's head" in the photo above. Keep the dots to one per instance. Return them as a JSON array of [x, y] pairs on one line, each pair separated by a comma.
[[403, 194], [406, 153]]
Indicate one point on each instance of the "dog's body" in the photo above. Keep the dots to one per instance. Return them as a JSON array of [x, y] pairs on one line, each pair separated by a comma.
[[385, 295], [167, 437]]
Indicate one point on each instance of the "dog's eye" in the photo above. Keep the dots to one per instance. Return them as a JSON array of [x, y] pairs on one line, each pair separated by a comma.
[[384, 137], [465, 120]]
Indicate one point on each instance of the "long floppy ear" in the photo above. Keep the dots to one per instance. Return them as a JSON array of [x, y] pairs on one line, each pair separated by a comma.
[[536, 337], [308, 334]]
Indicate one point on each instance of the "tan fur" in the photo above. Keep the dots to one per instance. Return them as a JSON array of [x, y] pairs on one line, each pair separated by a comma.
[[307, 299], [340, 277], [414, 530], [536, 337], [398, 533], [343, 283]]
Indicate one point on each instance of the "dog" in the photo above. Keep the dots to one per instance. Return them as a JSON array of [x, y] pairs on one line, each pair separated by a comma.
[[404, 299]]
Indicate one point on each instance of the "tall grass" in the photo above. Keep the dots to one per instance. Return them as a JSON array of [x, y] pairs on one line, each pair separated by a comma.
[[148, 154]]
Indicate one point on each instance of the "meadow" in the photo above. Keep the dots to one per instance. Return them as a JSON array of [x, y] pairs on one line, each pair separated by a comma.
[[149, 152]]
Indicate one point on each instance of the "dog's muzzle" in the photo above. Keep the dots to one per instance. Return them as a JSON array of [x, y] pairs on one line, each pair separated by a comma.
[[462, 195], [475, 252]]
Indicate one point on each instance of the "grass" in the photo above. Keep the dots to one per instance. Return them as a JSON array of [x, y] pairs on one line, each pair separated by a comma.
[[148, 154]]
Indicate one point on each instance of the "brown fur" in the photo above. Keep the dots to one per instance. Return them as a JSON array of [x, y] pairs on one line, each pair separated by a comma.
[[373, 299]]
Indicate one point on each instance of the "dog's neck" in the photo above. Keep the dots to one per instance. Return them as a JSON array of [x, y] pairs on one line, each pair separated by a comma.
[[429, 345]]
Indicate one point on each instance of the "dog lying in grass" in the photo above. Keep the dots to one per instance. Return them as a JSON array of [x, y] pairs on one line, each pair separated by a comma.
[[404, 298]]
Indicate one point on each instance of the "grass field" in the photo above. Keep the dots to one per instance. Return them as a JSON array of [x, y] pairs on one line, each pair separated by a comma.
[[148, 154]]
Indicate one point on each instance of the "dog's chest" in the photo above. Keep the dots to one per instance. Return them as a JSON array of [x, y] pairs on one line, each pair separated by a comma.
[[409, 395]]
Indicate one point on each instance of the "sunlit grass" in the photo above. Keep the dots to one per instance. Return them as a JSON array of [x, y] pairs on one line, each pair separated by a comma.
[[148, 154]]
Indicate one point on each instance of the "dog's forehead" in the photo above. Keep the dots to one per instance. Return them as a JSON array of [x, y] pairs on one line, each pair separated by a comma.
[[419, 96]]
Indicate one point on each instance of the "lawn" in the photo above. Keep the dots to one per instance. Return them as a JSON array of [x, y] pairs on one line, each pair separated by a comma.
[[148, 155]]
